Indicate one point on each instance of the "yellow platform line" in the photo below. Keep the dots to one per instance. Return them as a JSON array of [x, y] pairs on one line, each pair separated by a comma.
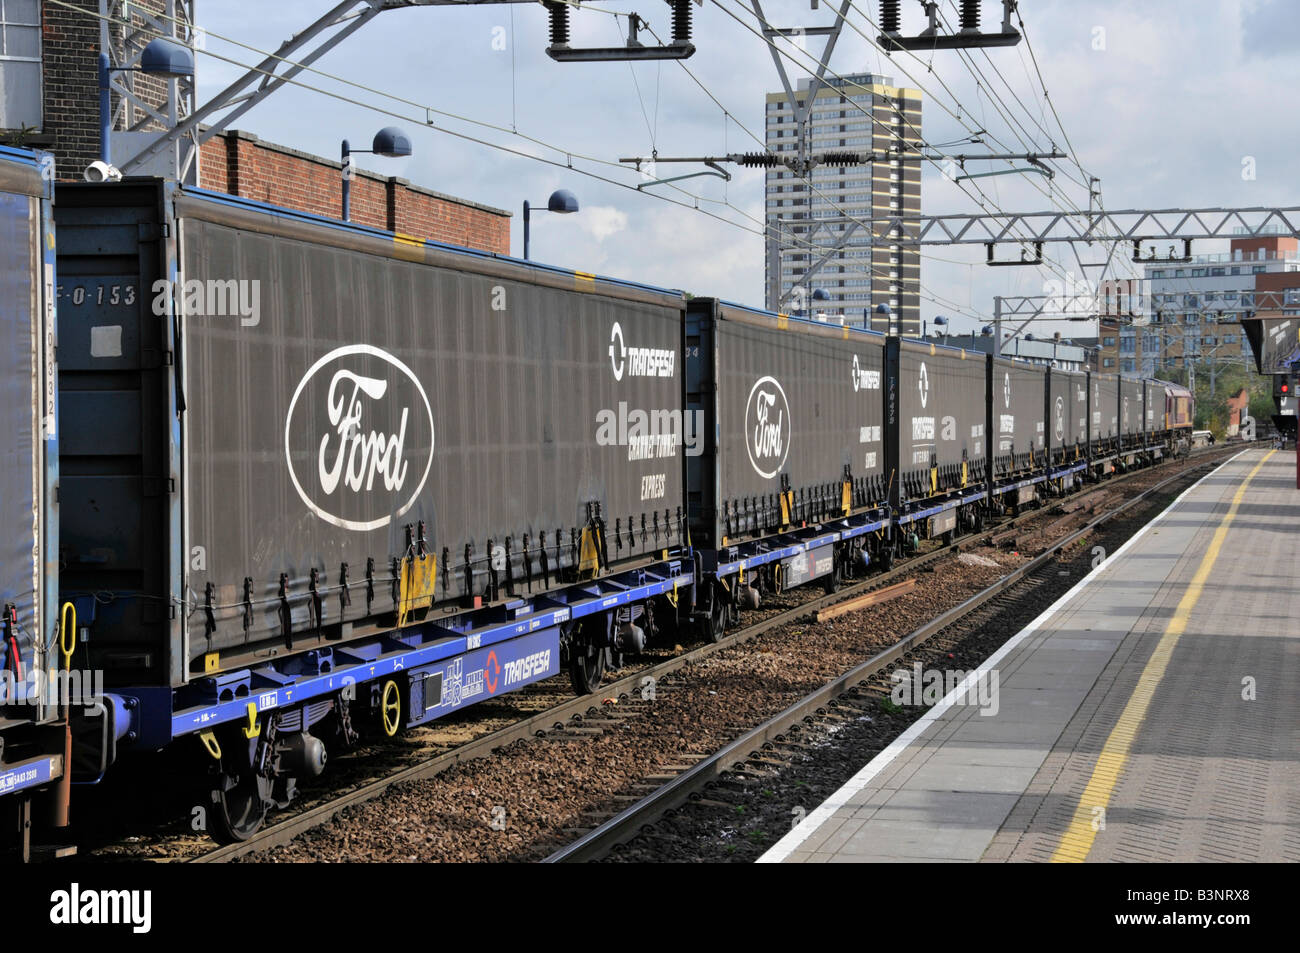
[[1078, 838]]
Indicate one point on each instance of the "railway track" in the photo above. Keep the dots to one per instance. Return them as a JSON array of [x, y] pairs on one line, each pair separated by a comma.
[[838, 701], [585, 715]]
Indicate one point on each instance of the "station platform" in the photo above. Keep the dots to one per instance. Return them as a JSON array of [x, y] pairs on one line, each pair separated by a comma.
[[1150, 714]]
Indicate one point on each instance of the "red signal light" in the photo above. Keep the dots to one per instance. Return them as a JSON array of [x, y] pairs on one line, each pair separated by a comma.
[[1285, 387]]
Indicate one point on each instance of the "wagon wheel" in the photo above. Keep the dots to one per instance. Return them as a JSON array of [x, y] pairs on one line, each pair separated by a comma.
[[586, 664], [715, 626], [239, 800]]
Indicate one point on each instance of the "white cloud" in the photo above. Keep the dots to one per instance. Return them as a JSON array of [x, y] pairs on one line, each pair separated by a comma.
[[1164, 115], [602, 221]]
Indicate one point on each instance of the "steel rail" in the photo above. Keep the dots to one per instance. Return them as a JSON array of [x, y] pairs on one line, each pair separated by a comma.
[[630, 821], [285, 830]]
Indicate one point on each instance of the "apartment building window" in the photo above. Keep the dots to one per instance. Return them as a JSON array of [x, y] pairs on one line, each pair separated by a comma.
[[1108, 342]]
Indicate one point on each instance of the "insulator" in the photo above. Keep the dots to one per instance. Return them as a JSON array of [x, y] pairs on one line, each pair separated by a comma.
[[970, 14], [759, 160], [681, 20], [890, 20], [559, 23], [841, 158]]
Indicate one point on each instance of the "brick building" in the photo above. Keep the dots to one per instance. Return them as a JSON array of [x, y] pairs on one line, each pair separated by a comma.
[[1196, 308], [241, 164], [49, 75]]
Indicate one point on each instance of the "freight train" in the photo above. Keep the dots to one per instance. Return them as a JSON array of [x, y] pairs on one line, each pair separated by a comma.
[[313, 478]]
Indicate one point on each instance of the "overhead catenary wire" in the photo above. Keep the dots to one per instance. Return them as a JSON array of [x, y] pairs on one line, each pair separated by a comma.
[[847, 267], [569, 155], [983, 200], [763, 228], [982, 82]]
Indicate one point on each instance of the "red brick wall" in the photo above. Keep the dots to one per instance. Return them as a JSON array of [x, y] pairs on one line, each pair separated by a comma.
[[1275, 244], [1270, 292], [70, 74], [239, 164]]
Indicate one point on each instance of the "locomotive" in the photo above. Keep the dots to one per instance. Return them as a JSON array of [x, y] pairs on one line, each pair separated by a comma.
[[314, 477]]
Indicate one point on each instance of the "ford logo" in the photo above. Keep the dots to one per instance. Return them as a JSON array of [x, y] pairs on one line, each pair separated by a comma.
[[359, 437], [767, 427]]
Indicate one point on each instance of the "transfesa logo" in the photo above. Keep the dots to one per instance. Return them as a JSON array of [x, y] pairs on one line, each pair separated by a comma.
[[359, 438], [638, 361], [864, 379], [1006, 389], [1060, 418], [923, 384], [767, 427]]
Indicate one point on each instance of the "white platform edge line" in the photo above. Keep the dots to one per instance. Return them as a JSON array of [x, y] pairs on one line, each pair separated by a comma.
[[788, 844]]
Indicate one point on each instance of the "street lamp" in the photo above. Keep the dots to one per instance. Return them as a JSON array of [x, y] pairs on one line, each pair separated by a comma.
[[390, 142], [562, 201], [161, 57], [818, 294], [941, 322], [883, 316]]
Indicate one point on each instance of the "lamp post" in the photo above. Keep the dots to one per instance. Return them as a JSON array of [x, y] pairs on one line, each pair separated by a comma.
[[941, 322], [561, 201], [161, 57], [882, 316], [390, 142], [819, 294]]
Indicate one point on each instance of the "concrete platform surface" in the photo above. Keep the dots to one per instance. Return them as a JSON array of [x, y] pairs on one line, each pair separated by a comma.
[[1151, 714]]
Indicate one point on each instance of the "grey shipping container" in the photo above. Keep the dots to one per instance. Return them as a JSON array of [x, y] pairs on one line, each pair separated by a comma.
[[28, 429], [798, 406], [1068, 411], [1130, 406], [1105, 407], [941, 409], [1019, 403], [272, 441], [1153, 406]]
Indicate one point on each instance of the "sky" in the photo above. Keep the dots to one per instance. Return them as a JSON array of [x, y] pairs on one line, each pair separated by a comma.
[[1171, 103]]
